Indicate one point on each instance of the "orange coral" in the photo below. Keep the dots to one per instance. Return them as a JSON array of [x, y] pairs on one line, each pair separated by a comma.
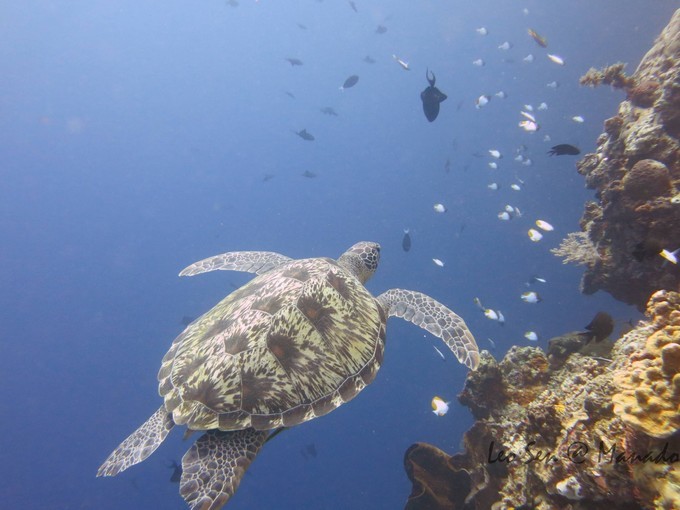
[[649, 395]]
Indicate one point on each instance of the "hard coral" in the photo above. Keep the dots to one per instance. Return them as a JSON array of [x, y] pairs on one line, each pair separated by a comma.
[[649, 389], [644, 93], [635, 172], [553, 440], [648, 179]]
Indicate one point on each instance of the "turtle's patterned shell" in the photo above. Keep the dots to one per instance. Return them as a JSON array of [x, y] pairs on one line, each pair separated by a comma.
[[293, 344]]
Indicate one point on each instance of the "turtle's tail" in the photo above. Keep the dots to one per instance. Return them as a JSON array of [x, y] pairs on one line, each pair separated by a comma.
[[213, 467]]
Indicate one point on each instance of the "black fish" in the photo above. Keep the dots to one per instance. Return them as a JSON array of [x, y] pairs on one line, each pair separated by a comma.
[[305, 135], [267, 177], [431, 97], [295, 61], [353, 6], [600, 327], [176, 473], [308, 174], [301, 26], [350, 82], [406, 241], [327, 110], [564, 149], [369, 60], [186, 320], [646, 249], [381, 29], [447, 165], [308, 451], [232, 3]]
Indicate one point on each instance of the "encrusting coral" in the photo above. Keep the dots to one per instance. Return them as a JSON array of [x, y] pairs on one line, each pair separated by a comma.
[[551, 436], [649, 388]]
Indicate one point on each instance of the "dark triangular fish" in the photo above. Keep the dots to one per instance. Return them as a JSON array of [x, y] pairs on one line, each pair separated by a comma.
[[289, 94], [381, 29], [267, 177], [311, 450], [600, 327], [350, 82], [406, 241], [301, 26], [305, 135], [447, 165], [176, 473], [353, 6], [369, 60], [564, 149], [431, 97], [295, 61], [232, 3], [308, 174]]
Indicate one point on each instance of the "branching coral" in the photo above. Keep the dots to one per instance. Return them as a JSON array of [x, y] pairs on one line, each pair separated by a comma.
[[611, 75], [577, 248]]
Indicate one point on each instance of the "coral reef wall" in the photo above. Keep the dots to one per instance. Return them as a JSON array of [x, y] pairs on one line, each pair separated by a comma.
[[590, 433], [636, 172]]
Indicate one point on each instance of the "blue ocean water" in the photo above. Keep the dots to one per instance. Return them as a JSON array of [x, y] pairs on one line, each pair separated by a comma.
[[139, 137]]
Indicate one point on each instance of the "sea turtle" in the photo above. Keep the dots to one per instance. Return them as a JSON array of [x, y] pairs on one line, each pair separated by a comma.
[[297, 341]]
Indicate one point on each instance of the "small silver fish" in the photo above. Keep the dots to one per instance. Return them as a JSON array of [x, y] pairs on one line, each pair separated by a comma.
[[556, 58], [403, 64], [439, 352]]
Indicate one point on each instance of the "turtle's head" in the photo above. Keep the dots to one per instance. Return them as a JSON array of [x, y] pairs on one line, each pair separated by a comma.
[[361, 260]]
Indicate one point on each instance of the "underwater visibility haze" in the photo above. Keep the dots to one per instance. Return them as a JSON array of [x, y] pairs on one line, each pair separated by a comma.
[[139, 138]]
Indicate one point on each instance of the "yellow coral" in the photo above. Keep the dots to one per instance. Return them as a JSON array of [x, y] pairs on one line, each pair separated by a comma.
[[649, 395]]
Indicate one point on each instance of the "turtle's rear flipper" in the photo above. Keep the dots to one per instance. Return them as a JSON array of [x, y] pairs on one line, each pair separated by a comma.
[[213, 467], [139, 445]]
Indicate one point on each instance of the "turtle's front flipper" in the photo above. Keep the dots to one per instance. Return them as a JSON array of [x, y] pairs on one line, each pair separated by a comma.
[[248, 261], [139, 445], [213, 466], [434, 317]]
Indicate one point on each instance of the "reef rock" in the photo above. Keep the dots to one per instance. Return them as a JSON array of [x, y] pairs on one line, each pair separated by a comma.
[[636, 172], [589, 433]]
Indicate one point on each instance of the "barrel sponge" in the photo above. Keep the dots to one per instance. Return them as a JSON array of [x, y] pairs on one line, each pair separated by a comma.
[[649, 389]]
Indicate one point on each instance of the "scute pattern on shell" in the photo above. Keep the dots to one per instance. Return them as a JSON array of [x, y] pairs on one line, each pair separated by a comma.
[[292, 344]]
